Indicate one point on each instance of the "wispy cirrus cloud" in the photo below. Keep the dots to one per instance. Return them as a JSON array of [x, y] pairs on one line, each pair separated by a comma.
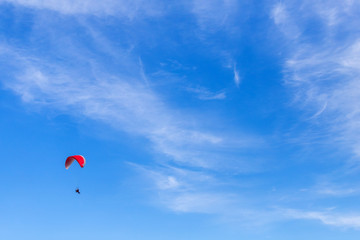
[[237, 79], [337, 191], [213, 15], [321, 71], [128, 104], [327, 218], [90, 75], [204, 94], [196, 191], [119, 93], [121, 101], [324, 75], [285, 21], [107, 82], [329, 78], [122, 8], [184, 190]]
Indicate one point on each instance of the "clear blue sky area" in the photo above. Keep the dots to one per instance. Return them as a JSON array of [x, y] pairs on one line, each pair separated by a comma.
[[198, 119]]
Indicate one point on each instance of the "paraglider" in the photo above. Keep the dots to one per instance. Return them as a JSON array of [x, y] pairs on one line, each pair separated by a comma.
[[80, 159]]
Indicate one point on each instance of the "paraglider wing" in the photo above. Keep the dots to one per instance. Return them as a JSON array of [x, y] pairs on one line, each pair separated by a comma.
[[80, 159]]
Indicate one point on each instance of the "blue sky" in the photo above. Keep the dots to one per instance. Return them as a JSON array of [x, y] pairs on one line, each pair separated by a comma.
[[199, 119]]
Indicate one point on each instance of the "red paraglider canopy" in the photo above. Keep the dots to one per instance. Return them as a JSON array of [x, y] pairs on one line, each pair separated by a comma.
[[80, 159]]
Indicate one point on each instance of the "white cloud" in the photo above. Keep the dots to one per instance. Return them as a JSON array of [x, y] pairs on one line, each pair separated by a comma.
[[342, 183], [328, 78], [119, 93], [318, 113], [285, 21], [211, 15], [324, 75], [163, 181], [184, 191], [122, 98], [125, 100], [337, 192], [197, 202], [328, 218], [121, 8], [124, 103], [204, 94], [279, 14], [236, 77], [321, 70], [127, 103], [335, 13]]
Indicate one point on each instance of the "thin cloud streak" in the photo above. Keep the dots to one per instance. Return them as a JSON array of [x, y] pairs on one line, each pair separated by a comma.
[[325, 76], [284, 21], [331, 78], [120, 8], [321, 71], [236, 77], [212, 16], [204, 94], [327, 218], [189, 191], [183, 190]]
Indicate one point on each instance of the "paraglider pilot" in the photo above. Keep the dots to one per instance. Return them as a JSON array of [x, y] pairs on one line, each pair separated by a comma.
[[80, 159]]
